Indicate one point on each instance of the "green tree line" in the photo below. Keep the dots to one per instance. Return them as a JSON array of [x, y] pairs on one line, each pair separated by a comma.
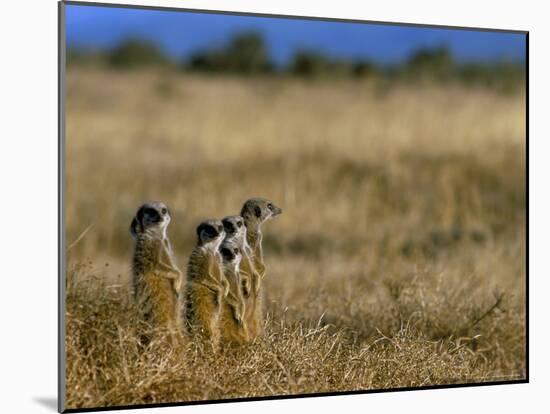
[[247, 54]]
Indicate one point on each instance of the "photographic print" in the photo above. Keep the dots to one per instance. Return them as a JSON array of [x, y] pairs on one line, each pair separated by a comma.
[[262, 206]]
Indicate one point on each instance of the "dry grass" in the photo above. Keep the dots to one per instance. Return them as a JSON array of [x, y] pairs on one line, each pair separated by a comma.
[[399, 259]]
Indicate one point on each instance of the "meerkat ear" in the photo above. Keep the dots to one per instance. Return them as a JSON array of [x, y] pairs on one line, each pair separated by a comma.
[[134, 228], [140, 213], [257, 211], [246, 210], [204, 236]]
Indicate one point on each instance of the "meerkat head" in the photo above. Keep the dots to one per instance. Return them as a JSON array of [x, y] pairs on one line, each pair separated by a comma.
[[210, 234], [234, 228], [153, 218], [256, 211], [231, 255]]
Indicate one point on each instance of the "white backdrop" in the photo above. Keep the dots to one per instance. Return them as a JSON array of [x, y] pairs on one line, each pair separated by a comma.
[[28, 219]]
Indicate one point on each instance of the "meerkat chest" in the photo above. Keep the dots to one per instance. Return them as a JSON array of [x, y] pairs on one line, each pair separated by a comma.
[[156, 280]]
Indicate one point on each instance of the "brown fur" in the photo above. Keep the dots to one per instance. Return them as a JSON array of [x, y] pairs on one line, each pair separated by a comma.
[[233, 328], [251, 290], [205, 290], [156, 285]]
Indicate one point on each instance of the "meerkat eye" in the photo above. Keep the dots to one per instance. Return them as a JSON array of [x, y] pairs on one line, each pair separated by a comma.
[[164, 211], [270, 206], [239, 223]]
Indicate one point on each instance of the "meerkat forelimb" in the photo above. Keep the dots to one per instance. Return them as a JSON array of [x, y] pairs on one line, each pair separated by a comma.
[[235, 229], [206, 283], [166, 263], [233, 326], [156, 279]]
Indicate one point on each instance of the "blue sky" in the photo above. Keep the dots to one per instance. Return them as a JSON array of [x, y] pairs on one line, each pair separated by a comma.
[[181, 33]]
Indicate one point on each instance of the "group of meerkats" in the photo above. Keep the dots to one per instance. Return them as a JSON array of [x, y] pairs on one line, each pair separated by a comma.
[[221, 298]]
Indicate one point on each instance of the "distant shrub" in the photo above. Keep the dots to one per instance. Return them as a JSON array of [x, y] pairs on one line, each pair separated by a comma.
[[245, 54], [135, 53], [430, 63], [212, 61], [363, 68], [306, 63], [503, 76], [312, 64]]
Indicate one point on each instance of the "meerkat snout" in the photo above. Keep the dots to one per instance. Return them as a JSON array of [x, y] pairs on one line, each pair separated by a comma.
[[275, 211]]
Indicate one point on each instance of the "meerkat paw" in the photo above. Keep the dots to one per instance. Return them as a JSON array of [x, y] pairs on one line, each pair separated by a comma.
[[239, 317], [246, 285], [257, 286], [225, 286], [178, 284]]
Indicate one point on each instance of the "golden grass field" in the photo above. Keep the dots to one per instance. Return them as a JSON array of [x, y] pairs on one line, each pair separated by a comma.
[[399, 260]]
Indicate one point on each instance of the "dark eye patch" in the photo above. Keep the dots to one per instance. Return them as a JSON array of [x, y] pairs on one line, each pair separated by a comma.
[[211, 231], [226, 253], [229, 227], [208, 229], [239, 223], [152, 213], [257, 211]]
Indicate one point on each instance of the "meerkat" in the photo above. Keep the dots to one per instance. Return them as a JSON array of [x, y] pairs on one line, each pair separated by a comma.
[[255, 212], [232, 326], [206, 283], [156, 279], [235, 230]]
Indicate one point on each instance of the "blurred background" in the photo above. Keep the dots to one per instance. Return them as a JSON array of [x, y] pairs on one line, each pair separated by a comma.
[[248, 45], [397, 154]]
